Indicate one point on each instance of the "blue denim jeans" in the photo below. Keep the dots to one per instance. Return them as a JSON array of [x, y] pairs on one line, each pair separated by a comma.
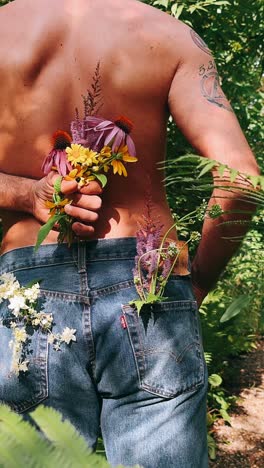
[[141, 379]]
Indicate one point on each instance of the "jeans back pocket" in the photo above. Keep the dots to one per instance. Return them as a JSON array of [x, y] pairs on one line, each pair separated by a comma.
[[24, 390], [167, 347]]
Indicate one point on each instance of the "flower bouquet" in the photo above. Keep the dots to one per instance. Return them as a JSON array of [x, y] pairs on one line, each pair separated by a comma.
[[94, 147]]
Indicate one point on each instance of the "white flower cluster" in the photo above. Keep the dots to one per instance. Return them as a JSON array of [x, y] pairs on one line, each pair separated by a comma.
[[8, 287], [66, 336], [23, 306]]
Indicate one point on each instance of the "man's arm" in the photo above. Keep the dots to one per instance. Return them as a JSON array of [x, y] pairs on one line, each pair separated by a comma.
[[15, 193], [29, 196], [205, 116]]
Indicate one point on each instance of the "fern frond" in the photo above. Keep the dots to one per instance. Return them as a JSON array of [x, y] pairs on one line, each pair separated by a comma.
[[62, 434], [10, 455], [24, 436]]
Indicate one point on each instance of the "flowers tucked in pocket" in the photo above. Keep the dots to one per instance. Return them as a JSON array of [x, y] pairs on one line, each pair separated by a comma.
[[167, 347], [23, 317]]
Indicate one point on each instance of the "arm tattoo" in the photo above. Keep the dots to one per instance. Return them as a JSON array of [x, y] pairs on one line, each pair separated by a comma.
[[210, 86], [199, 42]]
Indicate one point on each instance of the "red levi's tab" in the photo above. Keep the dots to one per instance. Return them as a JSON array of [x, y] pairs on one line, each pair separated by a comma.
[[123, 321]]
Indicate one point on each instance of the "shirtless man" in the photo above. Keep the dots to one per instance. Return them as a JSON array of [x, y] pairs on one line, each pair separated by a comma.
[[151, 406]]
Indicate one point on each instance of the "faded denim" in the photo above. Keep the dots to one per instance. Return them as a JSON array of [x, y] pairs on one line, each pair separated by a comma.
[[141, 379]]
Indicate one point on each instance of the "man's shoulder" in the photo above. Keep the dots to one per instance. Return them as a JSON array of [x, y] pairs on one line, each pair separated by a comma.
[[159, 22], [170, 33], [31, 28]]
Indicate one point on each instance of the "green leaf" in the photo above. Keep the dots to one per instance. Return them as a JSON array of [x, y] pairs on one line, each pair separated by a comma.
[[56, 198], [62, 434], [215, 380], [31, 283], [233, 175], [222, 402], [225, 415], [211, 447], [177, 10], [162, 3], [138, 304], [221, 169], [22, 435], [46, 228], [57, 184], [102, 178], [151, 298], [207, 168], [240, 303], [255, 180]]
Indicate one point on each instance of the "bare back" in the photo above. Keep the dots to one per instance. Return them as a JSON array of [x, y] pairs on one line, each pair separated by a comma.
[[48, 54]]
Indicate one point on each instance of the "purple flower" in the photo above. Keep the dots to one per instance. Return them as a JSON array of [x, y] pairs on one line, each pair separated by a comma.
[[166, 267], [57, 158], [95, 133], [148, 243]]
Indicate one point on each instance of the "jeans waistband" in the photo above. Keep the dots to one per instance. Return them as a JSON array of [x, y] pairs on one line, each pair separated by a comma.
[[80, 252]]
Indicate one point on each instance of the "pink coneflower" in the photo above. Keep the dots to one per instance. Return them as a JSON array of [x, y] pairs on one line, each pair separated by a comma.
[[57, 157], [100, 132]]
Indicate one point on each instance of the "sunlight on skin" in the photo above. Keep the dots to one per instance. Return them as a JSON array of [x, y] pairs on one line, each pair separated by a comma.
[[7, 120]]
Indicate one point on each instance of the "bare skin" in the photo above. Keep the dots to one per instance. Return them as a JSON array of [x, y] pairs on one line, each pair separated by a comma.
[[151, 65]]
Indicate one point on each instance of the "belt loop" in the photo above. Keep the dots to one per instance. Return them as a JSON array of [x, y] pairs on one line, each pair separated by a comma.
[[81, 256], [81, 263]]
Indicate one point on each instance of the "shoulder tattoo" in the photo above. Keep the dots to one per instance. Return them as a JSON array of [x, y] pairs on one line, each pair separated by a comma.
[[210, 86], [199, 42]]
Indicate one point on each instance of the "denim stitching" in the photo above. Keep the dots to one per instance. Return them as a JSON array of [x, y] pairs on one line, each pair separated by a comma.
[[164, 306], [69, 297], [137, 341], [160, 392], [202, 361], [131, 343], [41, 392], [178, 358], [14, 267], [88, 336], [111, 289], [139, 355]]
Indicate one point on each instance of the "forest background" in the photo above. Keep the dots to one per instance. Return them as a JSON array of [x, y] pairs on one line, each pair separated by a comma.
[[233, 31]]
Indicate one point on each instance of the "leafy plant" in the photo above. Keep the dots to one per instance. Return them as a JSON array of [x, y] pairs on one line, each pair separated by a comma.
[[22, 444]]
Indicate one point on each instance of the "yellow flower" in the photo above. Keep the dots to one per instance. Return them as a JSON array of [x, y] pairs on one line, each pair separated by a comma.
[[91, 157], [76, 154], [118, 167], [53, 207], [106, 152], [75, 174], [125, 154]]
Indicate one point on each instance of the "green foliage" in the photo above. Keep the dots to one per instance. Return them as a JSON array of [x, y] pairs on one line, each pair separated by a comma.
[[243, 278], [102, 178], [232, 31], [211, 447], [240, 303], [57, 185], [46, 228], [22, 444]]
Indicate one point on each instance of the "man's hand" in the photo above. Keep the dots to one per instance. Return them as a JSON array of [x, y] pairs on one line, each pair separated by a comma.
[[85, 202]]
